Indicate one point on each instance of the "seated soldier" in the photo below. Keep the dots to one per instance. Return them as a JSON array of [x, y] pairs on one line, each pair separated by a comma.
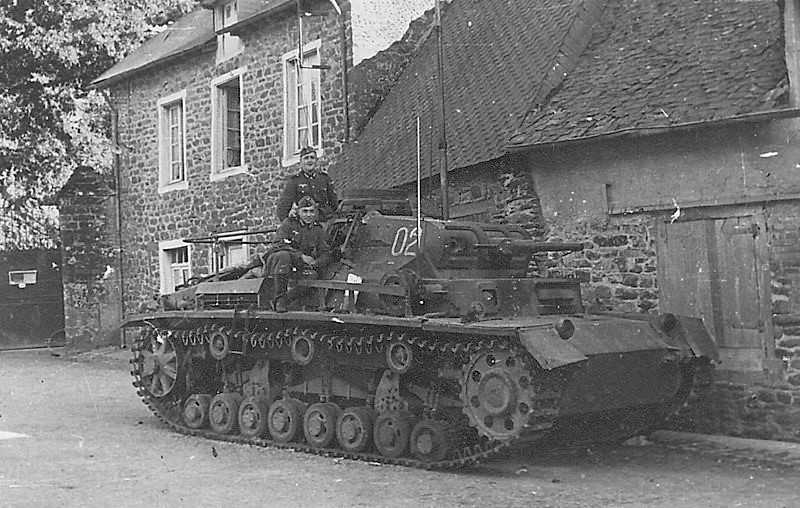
[[301, 246]]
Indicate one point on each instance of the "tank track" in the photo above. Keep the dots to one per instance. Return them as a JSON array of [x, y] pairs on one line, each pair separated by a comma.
[[540, 420]]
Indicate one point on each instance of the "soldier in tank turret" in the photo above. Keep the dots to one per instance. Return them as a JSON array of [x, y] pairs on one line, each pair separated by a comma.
[[311, 181], [301, 247]]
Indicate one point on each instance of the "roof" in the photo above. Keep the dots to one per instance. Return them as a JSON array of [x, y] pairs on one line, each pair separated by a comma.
[[187, 34], [666, 63], [490, 73], [521, 73]]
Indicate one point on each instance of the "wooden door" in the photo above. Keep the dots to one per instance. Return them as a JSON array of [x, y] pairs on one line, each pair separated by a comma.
[[715, 268]]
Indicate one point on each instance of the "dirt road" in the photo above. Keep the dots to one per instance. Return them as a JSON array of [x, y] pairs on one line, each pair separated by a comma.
[[75, 434]]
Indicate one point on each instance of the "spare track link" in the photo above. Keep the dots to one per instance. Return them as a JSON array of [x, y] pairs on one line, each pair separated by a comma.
[[168, 408]]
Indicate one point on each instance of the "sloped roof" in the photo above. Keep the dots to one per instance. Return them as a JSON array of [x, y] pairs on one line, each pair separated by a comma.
[[495, 53], [187, 34], [665, 63]]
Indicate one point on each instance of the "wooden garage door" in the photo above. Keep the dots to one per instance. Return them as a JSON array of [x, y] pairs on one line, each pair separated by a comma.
[[715, 268]]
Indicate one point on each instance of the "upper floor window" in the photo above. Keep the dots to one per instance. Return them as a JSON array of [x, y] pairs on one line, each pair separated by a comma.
[[228, 45], [227, 149], [175, 265], [228, 252], [302, 103], [171, 143]]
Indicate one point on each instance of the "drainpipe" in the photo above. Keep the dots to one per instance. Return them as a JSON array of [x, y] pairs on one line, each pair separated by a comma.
[[791, 26], [118, 192], [345, 93]]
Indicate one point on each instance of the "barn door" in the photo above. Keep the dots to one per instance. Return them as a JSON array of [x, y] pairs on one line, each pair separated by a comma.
[[715, 268]]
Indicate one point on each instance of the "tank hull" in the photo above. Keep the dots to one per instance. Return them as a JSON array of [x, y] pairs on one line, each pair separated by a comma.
[[416, 391]]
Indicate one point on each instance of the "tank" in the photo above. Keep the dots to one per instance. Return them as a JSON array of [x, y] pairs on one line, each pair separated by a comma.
[[426, 344]]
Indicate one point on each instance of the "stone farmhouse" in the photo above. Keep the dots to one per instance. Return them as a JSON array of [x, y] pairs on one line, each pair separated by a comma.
[[661, 133]]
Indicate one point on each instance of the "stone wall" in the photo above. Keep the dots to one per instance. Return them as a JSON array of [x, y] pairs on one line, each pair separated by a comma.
[[90, 263], [784, 234]]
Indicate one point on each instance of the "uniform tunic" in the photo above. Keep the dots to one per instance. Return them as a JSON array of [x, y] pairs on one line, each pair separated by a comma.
[[318, 187], [294, 238]]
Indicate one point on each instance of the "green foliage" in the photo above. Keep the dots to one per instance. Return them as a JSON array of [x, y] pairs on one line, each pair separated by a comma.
[[50, 50]]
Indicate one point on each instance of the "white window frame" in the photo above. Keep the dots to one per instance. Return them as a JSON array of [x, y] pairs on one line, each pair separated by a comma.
[[229, 238], [22, 278], [167, 284], [228, 45], [165, 183], [218, 118], [291, 152]]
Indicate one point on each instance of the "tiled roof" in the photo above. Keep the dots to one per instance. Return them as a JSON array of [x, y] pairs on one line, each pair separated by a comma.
[[488, 69], [186, 34], [662, 63], [495, 53]]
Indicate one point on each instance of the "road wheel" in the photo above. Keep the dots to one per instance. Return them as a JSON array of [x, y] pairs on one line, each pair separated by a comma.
[[319, 424]]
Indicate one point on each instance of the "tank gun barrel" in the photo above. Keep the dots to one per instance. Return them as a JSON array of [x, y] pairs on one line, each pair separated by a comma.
[[532, 246], [221, 237]]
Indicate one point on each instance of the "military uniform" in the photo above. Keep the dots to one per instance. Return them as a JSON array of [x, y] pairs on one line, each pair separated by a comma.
[[293, 239], [318, 187]]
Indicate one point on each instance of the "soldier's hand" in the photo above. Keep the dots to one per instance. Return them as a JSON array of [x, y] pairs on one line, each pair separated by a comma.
[[293, 211], [309, 260]]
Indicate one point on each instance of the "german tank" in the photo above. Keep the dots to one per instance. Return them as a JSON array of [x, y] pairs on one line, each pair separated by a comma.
[[426, 344]]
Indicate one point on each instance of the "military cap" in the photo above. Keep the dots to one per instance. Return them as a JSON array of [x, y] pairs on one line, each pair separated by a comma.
[[307, 150], [306, 201]]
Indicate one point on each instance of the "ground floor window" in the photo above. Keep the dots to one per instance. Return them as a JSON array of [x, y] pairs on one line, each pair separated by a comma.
[[175, 265]]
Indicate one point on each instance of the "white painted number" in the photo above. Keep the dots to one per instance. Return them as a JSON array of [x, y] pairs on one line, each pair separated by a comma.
[[405, 242]]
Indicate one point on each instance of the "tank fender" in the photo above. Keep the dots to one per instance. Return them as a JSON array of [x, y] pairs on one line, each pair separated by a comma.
[[694, 333], [547, 348]]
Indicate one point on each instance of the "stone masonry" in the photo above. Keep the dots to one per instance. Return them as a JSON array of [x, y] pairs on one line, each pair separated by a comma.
[[90, 262]]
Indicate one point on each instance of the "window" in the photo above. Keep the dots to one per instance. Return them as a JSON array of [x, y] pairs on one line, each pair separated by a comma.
[[228, 45], [22, 278], [175, 265], [302, 103], [230, 251], [171, 143], [227, 149]]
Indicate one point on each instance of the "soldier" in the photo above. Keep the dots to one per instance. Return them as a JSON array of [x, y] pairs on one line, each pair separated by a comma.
[[310, 181], [302, 244]]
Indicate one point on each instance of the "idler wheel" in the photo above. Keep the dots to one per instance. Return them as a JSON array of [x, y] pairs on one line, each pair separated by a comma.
[[430, 441], [399, 357], [223, 412], [195, 410], [392, 431], [354, 429], [253, 416], [497, 391], [159, 366], [219, 344], [302, 350], [319, 424], [285, 419]]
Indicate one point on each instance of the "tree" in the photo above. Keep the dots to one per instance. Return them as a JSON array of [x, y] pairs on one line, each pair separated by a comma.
[[50, 50]]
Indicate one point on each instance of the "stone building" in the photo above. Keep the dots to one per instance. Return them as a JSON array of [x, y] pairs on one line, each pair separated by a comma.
[[211, 115], [661, 133]]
